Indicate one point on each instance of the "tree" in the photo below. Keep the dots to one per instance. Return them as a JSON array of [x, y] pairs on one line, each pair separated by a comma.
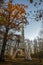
[[1, 3], [40, 38], [40, 44], [37, 14], [35, 46], [10, 17], [31, 1]]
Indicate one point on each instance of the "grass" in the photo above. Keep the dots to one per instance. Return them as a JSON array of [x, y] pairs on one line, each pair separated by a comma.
[[27, 63], [34, 61]]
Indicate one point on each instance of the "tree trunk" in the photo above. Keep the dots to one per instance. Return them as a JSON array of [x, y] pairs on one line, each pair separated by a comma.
[[4, 45]]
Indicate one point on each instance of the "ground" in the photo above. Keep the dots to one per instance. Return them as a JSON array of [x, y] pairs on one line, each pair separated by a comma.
[[34, 61]]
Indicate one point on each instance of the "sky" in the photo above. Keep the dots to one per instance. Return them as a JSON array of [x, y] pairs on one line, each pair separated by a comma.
[[31, 31]]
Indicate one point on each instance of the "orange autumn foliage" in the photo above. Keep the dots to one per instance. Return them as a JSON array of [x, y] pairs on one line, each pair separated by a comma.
[[11, 12]]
